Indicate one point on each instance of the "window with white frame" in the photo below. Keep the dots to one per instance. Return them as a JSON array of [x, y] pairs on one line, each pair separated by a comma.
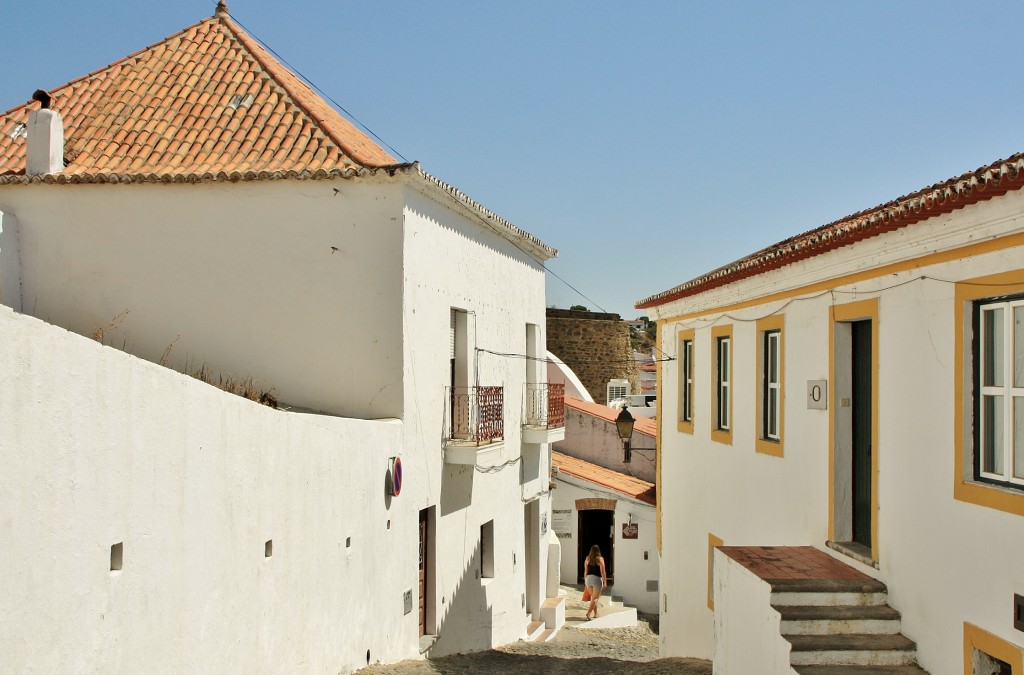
[[722, 378], [999, 391], [686, 380], [771, 383]]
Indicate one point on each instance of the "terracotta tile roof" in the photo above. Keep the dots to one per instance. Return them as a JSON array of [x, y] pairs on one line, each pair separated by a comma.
[[599, 475], [647, 367], [207, 100], [989, 181], [646, 426]]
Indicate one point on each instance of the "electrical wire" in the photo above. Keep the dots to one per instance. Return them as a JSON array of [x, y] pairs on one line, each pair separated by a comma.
[[544, 359], [833, 292], [313, 85], [370, 131]]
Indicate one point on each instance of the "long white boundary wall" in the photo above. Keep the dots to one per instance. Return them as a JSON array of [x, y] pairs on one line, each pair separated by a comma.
[[98, 448]]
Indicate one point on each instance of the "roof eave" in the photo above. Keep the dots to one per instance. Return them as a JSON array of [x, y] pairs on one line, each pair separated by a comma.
[[520, 238], [990, 181]]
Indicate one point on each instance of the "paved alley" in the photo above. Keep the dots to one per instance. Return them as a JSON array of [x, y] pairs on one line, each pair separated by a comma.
[[574, 650]]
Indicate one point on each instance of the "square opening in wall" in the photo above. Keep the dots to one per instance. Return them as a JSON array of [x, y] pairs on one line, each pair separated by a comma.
[[487, 550], [1018, 611], [986, 664], [117, 556], [268, 548]]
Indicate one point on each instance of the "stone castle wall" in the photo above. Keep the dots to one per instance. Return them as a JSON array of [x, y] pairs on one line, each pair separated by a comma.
[[595, 345]]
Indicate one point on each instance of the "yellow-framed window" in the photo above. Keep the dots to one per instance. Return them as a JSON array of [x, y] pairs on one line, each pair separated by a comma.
[[685, 360], [722, 383], [770, 390], [989, 392]]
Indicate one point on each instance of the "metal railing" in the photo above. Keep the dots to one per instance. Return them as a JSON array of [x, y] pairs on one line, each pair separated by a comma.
[[474, 415], [545, 405]]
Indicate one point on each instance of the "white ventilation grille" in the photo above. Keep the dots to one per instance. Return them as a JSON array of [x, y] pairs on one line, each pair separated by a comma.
[[617, 389]]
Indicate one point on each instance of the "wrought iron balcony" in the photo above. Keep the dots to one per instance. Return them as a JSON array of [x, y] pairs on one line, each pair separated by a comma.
[[545, 405], [544, 413], [474, 416]]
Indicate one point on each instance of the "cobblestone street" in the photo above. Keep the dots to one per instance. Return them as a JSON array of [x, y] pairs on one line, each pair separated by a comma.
[[574, 650]]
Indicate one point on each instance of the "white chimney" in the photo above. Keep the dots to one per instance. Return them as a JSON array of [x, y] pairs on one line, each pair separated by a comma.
[[45, 142]]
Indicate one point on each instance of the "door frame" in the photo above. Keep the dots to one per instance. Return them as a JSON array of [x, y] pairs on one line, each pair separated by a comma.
[[425, 607], [863, 310], [583, 548]]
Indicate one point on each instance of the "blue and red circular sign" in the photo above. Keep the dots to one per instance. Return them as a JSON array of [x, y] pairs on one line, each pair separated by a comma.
[[396, 476]]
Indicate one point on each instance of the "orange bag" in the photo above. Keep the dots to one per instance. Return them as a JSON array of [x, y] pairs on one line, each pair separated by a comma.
[[586, 594]]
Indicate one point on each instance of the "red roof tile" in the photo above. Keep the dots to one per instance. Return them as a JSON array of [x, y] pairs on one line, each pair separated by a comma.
[[182, 89], [646, 426], [599, 475], [989, 181]]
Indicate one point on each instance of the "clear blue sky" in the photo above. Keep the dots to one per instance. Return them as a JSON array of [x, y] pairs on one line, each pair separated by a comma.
[[649, 142]]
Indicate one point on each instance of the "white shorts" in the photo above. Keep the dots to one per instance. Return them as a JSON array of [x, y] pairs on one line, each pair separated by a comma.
[[593, 581]]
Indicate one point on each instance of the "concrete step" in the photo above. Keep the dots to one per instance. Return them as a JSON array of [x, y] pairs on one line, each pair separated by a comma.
[[546, 635], [552, 612], [851, 650], [860, 670], [838, 620], [828, 592], [533, 629]]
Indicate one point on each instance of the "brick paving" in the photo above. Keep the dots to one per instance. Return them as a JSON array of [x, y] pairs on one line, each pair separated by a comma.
[[776, 563]]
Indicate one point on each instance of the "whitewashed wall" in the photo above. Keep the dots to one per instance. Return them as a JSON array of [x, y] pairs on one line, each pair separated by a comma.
[[99, 447], [938, 556], [296, 283], [451, 261], [336, 295], [596, 440], [632, 571], [750, 640]]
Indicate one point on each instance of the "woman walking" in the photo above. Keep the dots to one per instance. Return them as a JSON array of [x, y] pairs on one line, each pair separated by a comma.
[[596, 577]]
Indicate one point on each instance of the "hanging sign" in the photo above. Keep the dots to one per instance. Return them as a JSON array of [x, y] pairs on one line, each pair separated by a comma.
[[561, 521], [630, 530]]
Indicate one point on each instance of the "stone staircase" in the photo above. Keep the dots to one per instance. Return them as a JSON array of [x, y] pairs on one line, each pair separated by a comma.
[[552, 618], [612, 612], [842, 627]]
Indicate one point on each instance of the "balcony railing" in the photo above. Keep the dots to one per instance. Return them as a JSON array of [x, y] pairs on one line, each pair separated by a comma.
[[474, 415], [545, 405]]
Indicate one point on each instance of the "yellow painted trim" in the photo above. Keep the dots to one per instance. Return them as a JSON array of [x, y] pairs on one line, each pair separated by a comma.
[[853, 311], [983, 641], [979, 248], [763, 445], [721, 435], [681, 425], [657, 441], [713, 542], [964, 488]]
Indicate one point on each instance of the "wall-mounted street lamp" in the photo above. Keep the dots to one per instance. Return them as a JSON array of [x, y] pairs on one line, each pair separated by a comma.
[[624, 425]]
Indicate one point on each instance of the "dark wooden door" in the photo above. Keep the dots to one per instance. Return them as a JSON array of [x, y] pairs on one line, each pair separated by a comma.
[[862, 425], [423, 572]]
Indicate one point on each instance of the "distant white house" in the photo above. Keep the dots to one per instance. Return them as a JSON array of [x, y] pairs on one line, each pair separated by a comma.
[[603, 500], [208, 209], [849, 399]]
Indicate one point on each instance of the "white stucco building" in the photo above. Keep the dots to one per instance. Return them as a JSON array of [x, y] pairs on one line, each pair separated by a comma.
[[603, 500], [213, 211], [848, 401]]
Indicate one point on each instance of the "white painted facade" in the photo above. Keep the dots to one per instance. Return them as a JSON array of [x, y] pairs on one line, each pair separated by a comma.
[[559, 373], [273, 280], [636, 560], [596, 440], [946, 561], [747, 629], [101, 448]]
